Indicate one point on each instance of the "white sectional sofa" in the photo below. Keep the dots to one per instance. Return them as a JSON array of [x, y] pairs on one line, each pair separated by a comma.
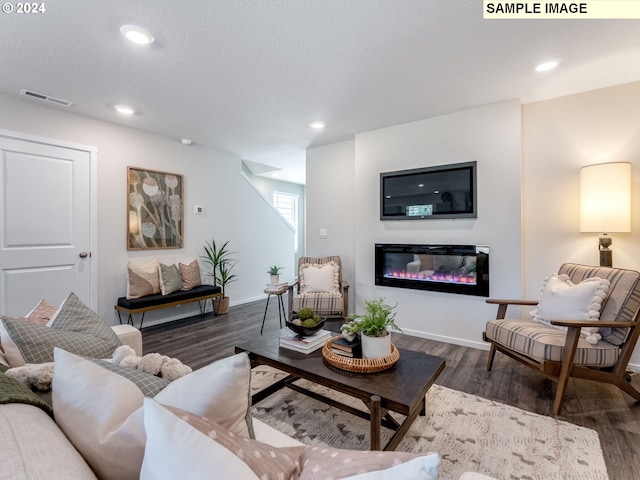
[[98, 431]]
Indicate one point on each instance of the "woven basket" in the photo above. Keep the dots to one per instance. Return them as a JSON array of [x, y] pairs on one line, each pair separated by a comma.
[[359, 365]]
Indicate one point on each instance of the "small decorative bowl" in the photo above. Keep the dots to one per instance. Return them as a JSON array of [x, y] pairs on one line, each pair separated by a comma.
[[305, 331]]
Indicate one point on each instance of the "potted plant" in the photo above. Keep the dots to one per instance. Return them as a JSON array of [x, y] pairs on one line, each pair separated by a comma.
[[219, 258], [373, 328], [274, 271]]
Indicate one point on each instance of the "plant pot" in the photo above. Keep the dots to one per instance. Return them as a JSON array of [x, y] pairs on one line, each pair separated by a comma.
[[275, 279], [375, 347], [221, 305]]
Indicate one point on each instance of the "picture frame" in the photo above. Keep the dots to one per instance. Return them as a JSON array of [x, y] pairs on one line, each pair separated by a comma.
[[155, 213]]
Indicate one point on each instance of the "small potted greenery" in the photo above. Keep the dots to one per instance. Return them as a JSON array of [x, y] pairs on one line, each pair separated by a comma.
[[373, 328], [219, 258], [274, 271]]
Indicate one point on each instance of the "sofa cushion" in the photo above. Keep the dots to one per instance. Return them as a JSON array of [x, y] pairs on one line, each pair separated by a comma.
[[316, 278], [34, 448], [197, 457], [167, 429], [158, 299], [74, 327], [177, 450], [326, 303], [170, 280], [190, 274], [149, 385], [561, 299], [143, 279], [623, 300], [42, 312], [544, 343], [101, 412]]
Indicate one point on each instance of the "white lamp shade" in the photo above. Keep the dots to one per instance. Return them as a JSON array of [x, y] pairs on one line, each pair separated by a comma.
[[605, 198]]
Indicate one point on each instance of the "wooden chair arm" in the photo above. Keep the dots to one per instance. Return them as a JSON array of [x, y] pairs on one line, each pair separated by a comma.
[[503, 304], [593, 323], [498, 301]]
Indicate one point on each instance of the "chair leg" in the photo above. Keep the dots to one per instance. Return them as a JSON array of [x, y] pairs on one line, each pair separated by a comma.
[[492, 355], [570, 346]]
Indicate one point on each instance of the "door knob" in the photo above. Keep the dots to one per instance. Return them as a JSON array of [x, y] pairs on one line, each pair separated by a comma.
[[84, 254]]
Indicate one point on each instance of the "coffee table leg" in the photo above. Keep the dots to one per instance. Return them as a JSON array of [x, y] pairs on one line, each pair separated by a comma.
[[375, 421]]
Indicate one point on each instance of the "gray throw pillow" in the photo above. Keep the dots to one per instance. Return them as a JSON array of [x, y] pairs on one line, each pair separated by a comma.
[[170, 279], [74, 328]]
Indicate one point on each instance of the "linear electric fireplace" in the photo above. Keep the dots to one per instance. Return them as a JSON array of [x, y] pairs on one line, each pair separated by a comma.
[[462, 269]]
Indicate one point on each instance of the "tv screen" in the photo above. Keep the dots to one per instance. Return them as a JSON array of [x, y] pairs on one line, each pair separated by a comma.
[[444, 191]]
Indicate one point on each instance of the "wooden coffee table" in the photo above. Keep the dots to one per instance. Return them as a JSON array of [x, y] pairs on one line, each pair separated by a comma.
[[400, 389]]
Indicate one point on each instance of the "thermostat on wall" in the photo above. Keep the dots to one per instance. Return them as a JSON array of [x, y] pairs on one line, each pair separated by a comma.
[[198, 209]]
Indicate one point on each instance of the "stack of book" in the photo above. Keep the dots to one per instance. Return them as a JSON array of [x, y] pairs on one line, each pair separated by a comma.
[[277, 286], [343, 347], [292, 341]]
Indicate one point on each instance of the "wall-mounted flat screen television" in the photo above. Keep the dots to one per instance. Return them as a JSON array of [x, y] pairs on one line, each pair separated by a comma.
[[443, 191]]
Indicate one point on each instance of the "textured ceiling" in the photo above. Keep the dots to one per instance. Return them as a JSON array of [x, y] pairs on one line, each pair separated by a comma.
[[248, 76]]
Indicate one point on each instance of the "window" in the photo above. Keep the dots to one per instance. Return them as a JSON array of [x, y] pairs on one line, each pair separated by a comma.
[[287, 205]]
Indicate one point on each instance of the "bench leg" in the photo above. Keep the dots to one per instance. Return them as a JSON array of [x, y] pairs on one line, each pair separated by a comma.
[[141, 320]]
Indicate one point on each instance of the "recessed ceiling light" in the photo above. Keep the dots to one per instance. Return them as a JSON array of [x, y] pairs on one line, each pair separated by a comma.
[[136, 34], [546, 66], [421, 185], [186, 141], [317, 125], [124, 109]]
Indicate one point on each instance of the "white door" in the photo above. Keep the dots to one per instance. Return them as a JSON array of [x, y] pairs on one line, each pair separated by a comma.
[[46, 208]]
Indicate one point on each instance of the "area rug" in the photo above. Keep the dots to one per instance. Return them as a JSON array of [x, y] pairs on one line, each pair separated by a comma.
[[469, 433]]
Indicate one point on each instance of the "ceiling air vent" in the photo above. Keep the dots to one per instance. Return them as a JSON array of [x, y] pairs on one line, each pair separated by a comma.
[[45, 98]]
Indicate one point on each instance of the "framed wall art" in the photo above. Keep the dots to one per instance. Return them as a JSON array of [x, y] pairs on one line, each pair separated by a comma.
[[154, 209]]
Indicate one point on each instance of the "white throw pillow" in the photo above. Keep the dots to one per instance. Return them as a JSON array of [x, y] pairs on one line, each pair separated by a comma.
[[101, 411], [176, 450], [319, 278], [561, 299], [174, 440], [421, 468]]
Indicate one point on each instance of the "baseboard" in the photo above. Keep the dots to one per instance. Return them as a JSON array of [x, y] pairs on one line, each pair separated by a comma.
[[442, 338]]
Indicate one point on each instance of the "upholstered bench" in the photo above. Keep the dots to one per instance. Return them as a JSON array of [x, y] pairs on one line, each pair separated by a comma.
[[199, 294]]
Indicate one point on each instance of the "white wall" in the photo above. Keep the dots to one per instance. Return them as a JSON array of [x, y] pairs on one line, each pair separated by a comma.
[[560, 136], [491, 136], [330, 191], [555, 138], [267, 187], [233, 208]]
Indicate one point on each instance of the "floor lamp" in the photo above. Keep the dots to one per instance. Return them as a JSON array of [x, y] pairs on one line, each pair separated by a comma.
[[605, 203]]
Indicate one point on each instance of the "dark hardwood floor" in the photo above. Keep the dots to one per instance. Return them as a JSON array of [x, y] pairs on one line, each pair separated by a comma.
[[613, 414]]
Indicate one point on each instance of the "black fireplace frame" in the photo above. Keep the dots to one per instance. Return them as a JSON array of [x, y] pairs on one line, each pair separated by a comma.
[[480, 252]]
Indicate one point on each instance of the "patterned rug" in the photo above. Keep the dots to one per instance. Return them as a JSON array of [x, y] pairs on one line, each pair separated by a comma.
[[470, 433]]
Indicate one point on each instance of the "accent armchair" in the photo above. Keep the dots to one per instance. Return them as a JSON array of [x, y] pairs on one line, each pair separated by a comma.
[[558, 350], [321, 287]]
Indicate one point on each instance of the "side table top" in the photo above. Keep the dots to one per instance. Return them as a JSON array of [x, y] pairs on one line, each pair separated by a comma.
[[276, 290]]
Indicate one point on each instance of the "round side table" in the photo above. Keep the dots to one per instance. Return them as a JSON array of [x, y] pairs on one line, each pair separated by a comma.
[[281, 311]]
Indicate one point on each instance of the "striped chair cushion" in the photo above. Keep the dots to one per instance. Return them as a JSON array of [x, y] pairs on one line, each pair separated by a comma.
[[622, 302], [324, 303], [545, 343]]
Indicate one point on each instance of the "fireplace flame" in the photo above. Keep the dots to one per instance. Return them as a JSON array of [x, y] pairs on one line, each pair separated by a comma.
[[443, 277]]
